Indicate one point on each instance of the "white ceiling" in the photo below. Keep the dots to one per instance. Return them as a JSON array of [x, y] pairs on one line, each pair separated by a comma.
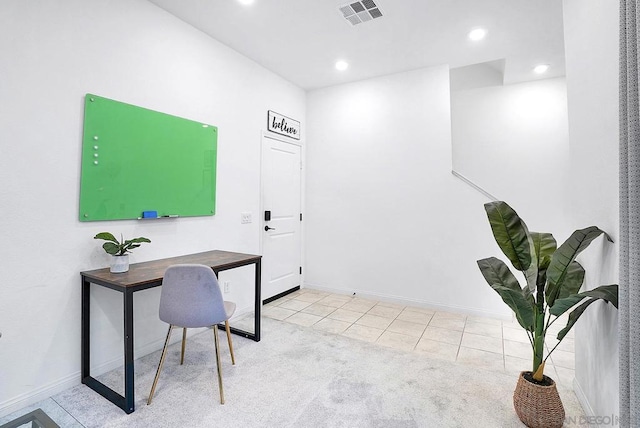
[[301, 40]]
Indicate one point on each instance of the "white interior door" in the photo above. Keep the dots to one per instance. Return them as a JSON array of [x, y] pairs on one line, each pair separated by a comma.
[[281, 200]]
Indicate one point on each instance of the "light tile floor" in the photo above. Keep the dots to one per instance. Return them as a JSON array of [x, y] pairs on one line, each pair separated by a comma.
[[481, 342]]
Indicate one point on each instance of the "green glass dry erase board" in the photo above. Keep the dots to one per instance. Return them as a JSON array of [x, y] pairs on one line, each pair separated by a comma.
[[136, 160]]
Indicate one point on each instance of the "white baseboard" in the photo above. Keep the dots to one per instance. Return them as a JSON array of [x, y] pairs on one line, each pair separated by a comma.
[[53, 388], [584, 402], [45, 391], [39, 394], [412, 302]]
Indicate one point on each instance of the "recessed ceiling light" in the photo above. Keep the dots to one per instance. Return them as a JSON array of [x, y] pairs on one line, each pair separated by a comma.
[[342, 65], [477, 34], [542, 68], [246, 2]]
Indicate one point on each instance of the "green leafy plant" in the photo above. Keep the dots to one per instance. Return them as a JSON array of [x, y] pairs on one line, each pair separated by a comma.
[[553, 277], [119, 248]]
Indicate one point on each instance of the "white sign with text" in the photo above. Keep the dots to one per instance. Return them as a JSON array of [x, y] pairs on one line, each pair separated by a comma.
[[283, 125]]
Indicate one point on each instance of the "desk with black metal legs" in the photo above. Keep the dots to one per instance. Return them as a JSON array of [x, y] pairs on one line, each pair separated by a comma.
[[140, 277]]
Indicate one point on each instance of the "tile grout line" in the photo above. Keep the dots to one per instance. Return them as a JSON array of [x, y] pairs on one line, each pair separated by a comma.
[[432, 316], [461, 336], [504, 354], [395, 318], [423, 332], [386, 329]]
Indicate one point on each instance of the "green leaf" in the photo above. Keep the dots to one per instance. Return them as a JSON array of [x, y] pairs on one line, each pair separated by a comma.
[[130, 244], [544, 245], [562, 258], [608, 293], [138, 240], [111, 248], [106, 236], [572, 281], [531, 275], [500, 278], [510, 233], [573, 318], [528, 294], [496, 272], [522, 308]]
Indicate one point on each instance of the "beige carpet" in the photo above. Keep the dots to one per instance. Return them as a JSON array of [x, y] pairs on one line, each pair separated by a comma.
[[299, 377]]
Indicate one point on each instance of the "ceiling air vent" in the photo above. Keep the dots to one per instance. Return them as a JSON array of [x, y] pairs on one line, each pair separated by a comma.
[[369, 4], [375, 13], [360, 11], [357, 6]]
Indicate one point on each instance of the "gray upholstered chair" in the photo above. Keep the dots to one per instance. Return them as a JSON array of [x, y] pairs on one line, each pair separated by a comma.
[[191, 298]]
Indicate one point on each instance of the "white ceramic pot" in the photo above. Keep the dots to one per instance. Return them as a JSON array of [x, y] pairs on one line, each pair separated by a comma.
[[119, 264]]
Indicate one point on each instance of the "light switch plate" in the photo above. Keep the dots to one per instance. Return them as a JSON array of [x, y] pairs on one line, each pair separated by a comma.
[[245, 217]]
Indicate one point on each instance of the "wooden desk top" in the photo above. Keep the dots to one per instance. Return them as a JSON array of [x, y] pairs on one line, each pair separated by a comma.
[[153, 271]]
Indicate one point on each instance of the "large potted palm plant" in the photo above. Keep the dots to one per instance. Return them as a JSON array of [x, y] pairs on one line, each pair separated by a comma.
[[553, 279]]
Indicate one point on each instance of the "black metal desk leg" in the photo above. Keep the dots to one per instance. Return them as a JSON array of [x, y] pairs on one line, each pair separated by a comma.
[[85, 359], [128, 353], [258, 303]]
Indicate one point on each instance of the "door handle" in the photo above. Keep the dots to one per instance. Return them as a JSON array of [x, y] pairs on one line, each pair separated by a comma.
[[267, 228]]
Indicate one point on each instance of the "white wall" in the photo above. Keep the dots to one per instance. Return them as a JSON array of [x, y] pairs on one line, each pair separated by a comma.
[[591, 41], [384, 216], [513, 141], [53, 52]]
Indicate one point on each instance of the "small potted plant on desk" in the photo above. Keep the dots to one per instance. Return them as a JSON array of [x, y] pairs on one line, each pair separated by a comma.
[[119, 250], [553, 280]]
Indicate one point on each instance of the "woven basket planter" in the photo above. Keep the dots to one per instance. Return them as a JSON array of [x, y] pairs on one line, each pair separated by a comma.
[[538, 406]]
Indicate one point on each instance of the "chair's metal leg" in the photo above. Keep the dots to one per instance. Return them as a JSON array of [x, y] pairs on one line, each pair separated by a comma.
[[184, 344], [233, 358], [164, 353], [215, 336]]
